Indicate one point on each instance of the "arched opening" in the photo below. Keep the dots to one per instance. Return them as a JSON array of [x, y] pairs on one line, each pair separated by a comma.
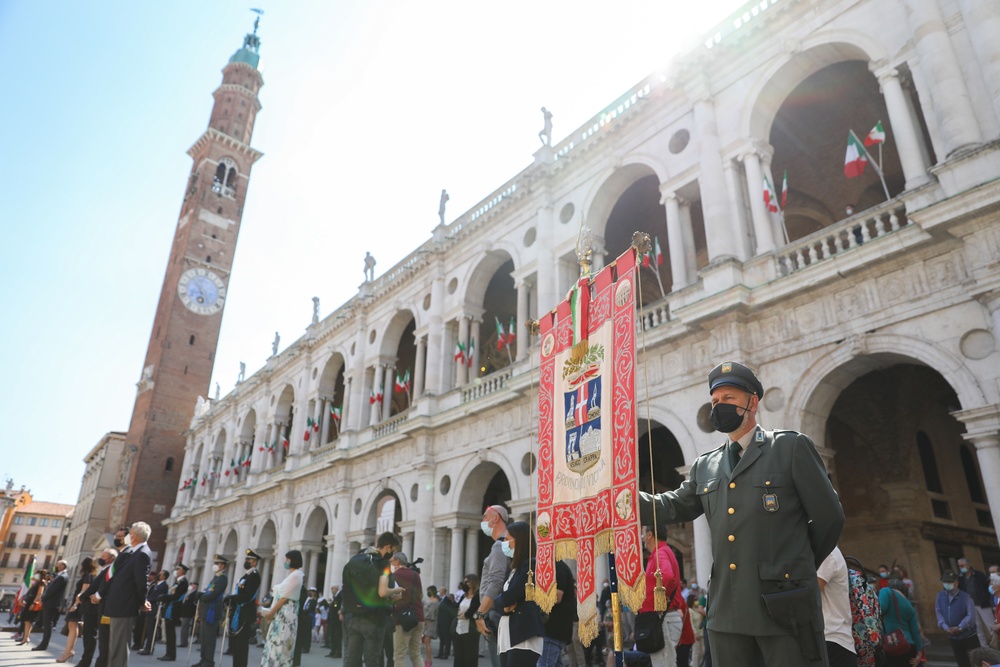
[[331, 390], [314, 542], [491, 290], [899, 469], [662, 475], [486, 485], [386, 513], [244, 447], [215, 464], [267, 538], [400, 345]]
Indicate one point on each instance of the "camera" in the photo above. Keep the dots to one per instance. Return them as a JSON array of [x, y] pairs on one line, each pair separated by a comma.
[[415, 565]]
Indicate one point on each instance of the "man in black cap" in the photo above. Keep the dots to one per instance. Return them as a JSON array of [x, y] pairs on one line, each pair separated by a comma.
[[212, 611], [172, 610], [774, 518], [243, 610]]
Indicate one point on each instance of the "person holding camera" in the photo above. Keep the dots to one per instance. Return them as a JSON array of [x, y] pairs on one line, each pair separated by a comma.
[[408, 612]]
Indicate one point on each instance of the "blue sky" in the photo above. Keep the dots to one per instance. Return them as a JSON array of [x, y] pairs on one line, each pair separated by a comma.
[[369, 110]]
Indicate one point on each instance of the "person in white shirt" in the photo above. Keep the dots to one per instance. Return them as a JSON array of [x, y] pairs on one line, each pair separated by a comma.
[[837, 621]]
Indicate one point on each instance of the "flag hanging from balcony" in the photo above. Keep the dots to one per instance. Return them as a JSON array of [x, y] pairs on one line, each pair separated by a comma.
[[770, 198], [876, 136], [459, 353], [336, 411], [587, 451], [856, 157], [472, 347], [501, 336], [510, 333], [784, 191]]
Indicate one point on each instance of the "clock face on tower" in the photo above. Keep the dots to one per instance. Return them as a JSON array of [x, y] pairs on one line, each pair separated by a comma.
[[201, 291]]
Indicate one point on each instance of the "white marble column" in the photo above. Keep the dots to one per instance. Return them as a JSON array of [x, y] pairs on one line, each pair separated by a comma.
[[433, 378], [389, 385], [719, 230], [457, 551], [471, 553], [332, 577], [521, 346], [408, 545], [461, 370], [474, 328], [545, 260], [982, 24], [340, 551], [690, 253], [418, 371], [903, 130], [949, 96], [313, 568], [348, 405], [326, 425], [761, 217], [423, 510], [265, 575], [440, 537], [737, 205], [675, 242], [982, 429]]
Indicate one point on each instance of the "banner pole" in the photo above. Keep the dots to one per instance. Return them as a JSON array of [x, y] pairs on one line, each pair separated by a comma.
[[616, 612]]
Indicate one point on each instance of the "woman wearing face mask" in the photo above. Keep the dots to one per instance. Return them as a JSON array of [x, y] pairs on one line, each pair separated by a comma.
[[75, 614], [466, 636], [283, 615], [898, 613], [521, 629]]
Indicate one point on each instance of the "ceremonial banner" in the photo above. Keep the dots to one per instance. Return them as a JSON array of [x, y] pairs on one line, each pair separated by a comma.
[[587, 451]]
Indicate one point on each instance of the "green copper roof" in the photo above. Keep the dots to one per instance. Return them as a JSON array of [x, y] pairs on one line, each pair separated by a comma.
[[249, 52]]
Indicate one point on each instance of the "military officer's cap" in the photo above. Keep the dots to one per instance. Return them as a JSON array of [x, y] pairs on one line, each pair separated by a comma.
[[182, 566], [735, 375], [221, 559], [253, 554]]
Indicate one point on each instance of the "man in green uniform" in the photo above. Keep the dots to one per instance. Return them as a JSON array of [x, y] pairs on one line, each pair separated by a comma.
[[774, 517]]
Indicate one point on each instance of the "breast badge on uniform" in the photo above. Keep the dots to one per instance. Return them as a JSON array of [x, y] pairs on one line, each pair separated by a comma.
[[770, 502]]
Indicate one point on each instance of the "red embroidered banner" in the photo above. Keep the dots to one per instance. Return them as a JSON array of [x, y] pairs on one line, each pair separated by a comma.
[[587, 452]]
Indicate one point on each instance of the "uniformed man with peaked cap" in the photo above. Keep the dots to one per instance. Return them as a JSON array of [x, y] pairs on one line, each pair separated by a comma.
[[243, 609], [774, 517], [212, 611]]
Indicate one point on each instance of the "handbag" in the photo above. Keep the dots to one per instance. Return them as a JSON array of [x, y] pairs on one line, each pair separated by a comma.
[[37, 604], [894, 643], [408, 620], [649, 632]]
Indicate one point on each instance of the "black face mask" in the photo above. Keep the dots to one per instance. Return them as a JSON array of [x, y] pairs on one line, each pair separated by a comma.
[[464, 588], [247, 564], [725, 417], [119, 543], [100, 561]]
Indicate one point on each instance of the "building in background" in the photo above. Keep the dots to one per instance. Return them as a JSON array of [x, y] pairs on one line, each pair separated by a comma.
[[36, 531], [10, 502], [88, 534]]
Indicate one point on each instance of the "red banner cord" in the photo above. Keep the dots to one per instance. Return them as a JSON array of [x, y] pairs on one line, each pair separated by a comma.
[[659, 592]]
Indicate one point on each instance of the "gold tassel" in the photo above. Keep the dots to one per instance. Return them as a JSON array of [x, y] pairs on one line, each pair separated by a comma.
[[529, 587], [659, 594]]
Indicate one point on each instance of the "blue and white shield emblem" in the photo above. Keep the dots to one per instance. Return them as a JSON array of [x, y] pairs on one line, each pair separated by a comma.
[[583, 425]]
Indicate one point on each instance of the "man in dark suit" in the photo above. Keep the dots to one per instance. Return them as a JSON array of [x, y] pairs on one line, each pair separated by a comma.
[[774, 518], [212, 611], [126, 592], [51, 599], [154, 595], [243, 610], [172, 610], [97, 589]]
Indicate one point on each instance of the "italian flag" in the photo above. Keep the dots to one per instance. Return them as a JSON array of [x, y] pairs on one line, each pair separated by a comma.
[[316, 425], [472, 346], [309, 428], [856, 157], [245, 462], [770, 198], [284, 443], [501, 336], [876, 136], [336, 411], [231, 468], [784, 191], [204, 479], [29, 572], [459, 352], [403, 382], [510, 333], [378, 395], [657, 254]]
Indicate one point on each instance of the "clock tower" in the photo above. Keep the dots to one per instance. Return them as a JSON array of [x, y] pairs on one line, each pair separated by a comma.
[[182, 345]]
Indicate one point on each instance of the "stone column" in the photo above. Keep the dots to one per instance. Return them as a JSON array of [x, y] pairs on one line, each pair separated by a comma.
[[332, 577], [347, 406], [471, 553], [903, 130], [440, 536], [423, 509], [521, 345], [675, 242], [265, 576], [982, 429], [461, 370], [719, 230], [474, 328], [545, 260], [690, 255], [284, 534], [388, 384], [408, 545], [313, 568], [456, 566], [758, 210], [949, 96], [433, 378], [982, 24], [734, 188], [340, 553], [326, 422], [418, 371]]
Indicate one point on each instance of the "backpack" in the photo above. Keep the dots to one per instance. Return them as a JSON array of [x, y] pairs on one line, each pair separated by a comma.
[[866, 618]]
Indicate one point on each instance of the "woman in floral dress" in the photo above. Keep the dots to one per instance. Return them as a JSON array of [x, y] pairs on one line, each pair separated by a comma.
[[283, 615]]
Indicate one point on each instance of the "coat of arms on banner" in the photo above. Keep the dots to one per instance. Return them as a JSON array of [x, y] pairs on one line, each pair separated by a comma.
[[587, 450]]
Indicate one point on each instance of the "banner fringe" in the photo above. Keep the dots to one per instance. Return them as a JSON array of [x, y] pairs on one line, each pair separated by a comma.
[[566, 549], [604, 542], [633, 596], [545, 599], [589, 623]]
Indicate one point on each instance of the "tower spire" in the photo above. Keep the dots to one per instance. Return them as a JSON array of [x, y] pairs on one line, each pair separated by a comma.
[[249, 53]]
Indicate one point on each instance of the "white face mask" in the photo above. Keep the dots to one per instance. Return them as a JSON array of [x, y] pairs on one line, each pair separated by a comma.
[[128, 540], [220, 568], [485, 525]]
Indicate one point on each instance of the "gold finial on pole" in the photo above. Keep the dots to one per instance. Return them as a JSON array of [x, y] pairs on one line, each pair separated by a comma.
[[584, 248], [642, 243]]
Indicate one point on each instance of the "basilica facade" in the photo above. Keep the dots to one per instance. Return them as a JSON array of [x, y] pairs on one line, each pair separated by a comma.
[[869, 307]]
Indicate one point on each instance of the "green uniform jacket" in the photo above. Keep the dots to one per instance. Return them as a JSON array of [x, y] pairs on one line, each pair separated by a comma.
[[773, 521]]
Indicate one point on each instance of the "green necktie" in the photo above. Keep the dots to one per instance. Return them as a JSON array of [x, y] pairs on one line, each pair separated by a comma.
[[734, 455]]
